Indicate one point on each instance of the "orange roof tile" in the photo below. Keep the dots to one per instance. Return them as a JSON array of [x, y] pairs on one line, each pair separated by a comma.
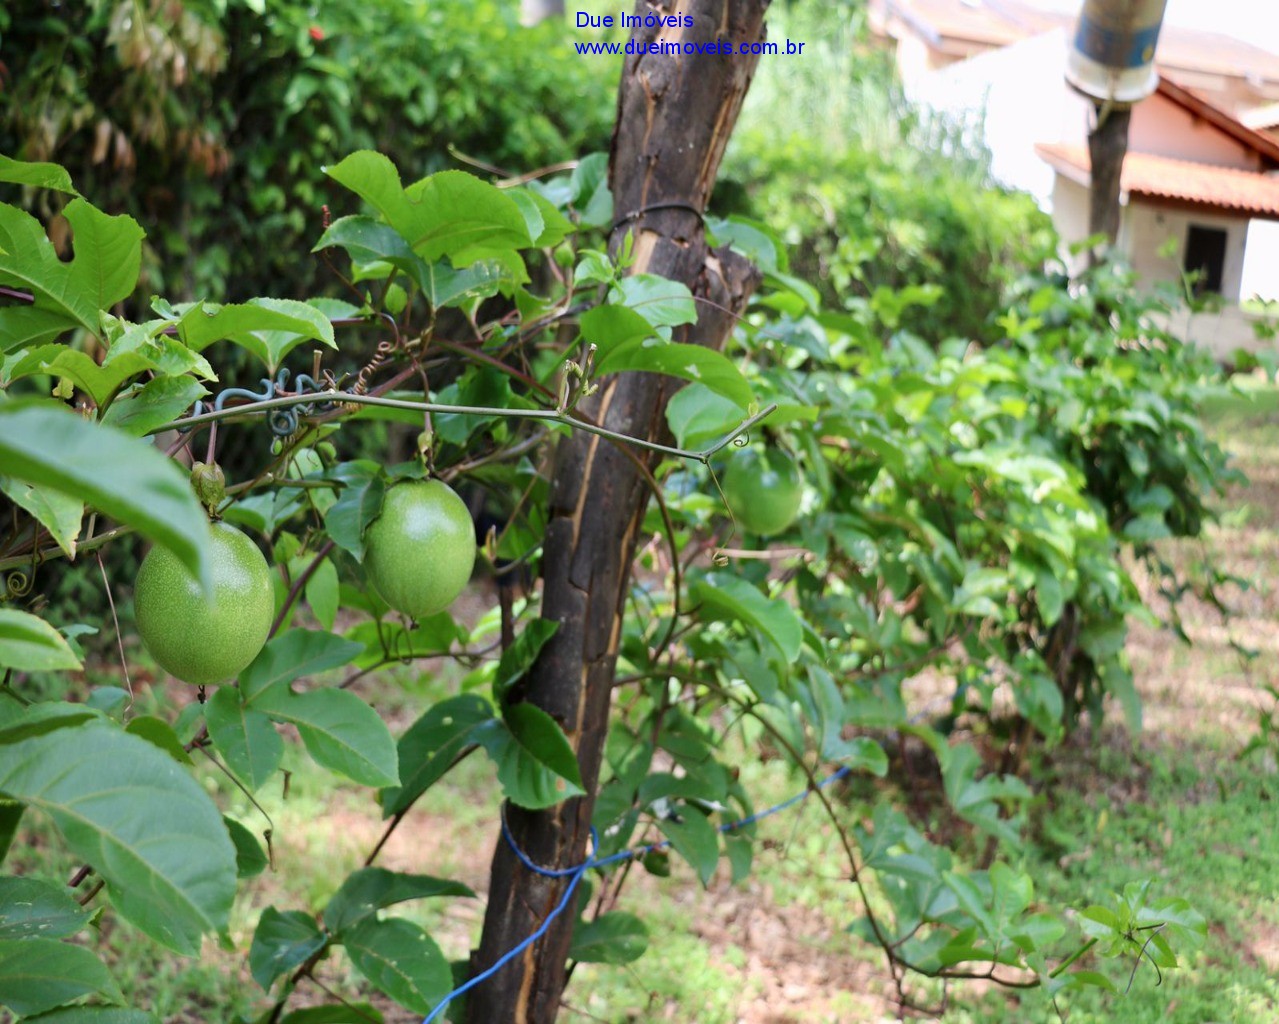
[[1000, 22], [1146, 176]]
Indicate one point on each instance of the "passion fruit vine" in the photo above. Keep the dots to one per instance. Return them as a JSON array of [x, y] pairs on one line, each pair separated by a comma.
[[420, 551], [206, 639], [764, 491]]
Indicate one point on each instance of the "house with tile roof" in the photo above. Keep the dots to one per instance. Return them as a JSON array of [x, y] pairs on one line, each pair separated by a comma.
[[1200, 186], [929, 35]]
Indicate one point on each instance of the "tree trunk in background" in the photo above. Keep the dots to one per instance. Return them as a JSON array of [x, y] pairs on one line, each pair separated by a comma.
[[1107, 147], [674, 118], [533, 11]]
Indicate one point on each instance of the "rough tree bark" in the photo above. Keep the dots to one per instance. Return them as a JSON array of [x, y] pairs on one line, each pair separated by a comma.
[[533, 11], [1107, 147], [674, 119]]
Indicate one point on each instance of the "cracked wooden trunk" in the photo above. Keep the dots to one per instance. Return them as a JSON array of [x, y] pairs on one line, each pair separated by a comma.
[[674, 119]]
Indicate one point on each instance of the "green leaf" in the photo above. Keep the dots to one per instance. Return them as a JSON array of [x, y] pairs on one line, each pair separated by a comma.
[[19, 723], [611, 327], [730, 598], [322, 593], [245, 738], [10, 817], [519, 657], [369, 890], [42, 974], [250, 858], [48, 445], [589, 191], [60, 514], [369, 241], [358, 504], [99, 382], [535, 762], [29, 644], [31, 908], [972, 901], [23, 326], [340, 731], [401, 961], [553, 226], [103, 271], [431, 746], [352, 1013], [268, 328], [616, 938], [96, 1015], [146, 409], [37, 175], [147, 827], [160, 734], [282, 943], [696, 415], [687, 362], [451, 214], [299, 652], [659, 300], [695, 839]]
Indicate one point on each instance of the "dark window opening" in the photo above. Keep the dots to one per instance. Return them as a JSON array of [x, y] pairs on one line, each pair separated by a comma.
[[1206, 257]]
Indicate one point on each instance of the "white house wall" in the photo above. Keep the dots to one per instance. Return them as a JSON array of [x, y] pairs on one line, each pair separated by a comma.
[[1162, 127], [1147, 230]]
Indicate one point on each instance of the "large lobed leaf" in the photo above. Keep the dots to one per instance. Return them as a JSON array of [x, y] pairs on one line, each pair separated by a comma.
[[103, 271]]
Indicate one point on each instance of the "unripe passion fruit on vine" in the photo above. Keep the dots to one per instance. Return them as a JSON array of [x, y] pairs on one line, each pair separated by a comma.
[[419, 552], [764, 491], [206, 640]]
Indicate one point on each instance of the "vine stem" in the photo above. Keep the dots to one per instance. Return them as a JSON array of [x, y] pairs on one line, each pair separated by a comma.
[[551, 415]]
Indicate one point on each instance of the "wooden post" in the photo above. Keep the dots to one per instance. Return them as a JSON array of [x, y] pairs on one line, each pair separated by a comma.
[[674, 118], [1107, 147]]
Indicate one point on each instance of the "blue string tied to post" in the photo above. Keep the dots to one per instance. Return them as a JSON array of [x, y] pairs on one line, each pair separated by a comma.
[[574, 875]]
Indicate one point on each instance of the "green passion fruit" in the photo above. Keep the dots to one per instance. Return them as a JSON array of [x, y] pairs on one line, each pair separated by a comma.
[[419, 552], [206, 639], [764, 490]]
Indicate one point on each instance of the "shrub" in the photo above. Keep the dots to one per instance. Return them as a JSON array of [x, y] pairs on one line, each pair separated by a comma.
[[212, 121]]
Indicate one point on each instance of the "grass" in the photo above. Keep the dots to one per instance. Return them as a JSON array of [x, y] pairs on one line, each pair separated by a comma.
[[1178, 804]]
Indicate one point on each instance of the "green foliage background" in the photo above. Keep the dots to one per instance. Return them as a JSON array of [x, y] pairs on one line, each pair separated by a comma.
[[210, 120]]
